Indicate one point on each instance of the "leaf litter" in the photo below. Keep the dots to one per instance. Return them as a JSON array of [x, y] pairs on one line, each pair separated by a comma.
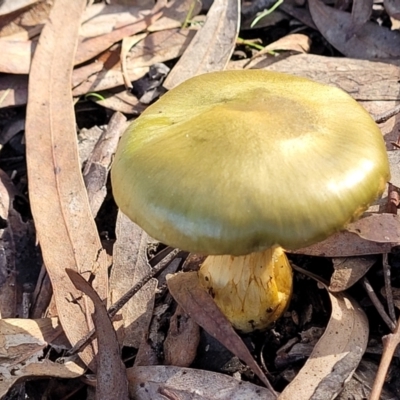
[[373, 83]]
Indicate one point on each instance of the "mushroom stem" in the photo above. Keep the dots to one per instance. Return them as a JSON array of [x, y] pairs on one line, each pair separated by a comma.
[[253, 290]]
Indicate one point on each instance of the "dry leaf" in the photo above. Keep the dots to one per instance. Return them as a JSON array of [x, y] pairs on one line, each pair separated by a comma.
[[99, 19], [186, 290], [176, 13], [372, 41], [361, 79], [111, 377], [335, 356], [106, 73], [213, 45], [166, 382], [129, 267], [380, 228], [360, 14], [349, 270], [98, 165], [180, 345], [394, 161], [22, 343], [8, 7], [16, 56], [344, 244], [295, 42], [91, 47], [65, 227], [127, 44], [124, 102], [392, 7]]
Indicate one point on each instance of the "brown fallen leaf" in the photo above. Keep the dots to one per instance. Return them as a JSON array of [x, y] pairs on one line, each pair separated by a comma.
[[349, 270], [380, 228], [124, 102], [183, 337], [111, 377], [361, 79], [22, 344], [167, 382], [101, 18], [176, 13], [129, 267], [344, 244], [199, 305], [65, 227], [335, 356], [16, 56], [91, 47], [371, 41], [213, 45], [8, 7], [360, 14], [106, 72], [98, 165]]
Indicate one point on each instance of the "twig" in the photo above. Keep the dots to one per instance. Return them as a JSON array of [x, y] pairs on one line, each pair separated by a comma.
[[378, 305], [388, 287], [390, 343], [387, 114], [81, 344]]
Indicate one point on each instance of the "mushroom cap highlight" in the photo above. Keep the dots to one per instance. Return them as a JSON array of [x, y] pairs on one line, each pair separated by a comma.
[[235, 162]]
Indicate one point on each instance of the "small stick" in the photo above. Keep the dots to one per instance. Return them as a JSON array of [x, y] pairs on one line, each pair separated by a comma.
[[81, 344], [387, 114], [378, 305], [388, 287], [390, 343]]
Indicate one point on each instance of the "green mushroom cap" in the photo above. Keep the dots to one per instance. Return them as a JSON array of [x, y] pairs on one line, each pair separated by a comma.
[[235, 162]]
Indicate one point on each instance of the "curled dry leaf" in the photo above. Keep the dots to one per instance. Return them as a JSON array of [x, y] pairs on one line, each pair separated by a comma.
[[372, 41], [111, 377], [335, 356], [129, 267], [199, 305], [22, 344], [167, 382], [213, 45], [64, 224], [348, 271]]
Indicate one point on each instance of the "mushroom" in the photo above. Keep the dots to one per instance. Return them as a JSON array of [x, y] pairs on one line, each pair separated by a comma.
[[239, 165]]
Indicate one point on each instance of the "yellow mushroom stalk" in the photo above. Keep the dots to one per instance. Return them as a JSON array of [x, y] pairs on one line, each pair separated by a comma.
[[252, 291]]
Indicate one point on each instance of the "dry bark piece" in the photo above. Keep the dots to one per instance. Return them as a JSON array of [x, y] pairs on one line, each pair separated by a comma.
[[22, 343], [180, 345], [213, 45], [167, 382], [129, 267], [336, 355], [65, 227], [186, 290], [372, 41], [111, 373]]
